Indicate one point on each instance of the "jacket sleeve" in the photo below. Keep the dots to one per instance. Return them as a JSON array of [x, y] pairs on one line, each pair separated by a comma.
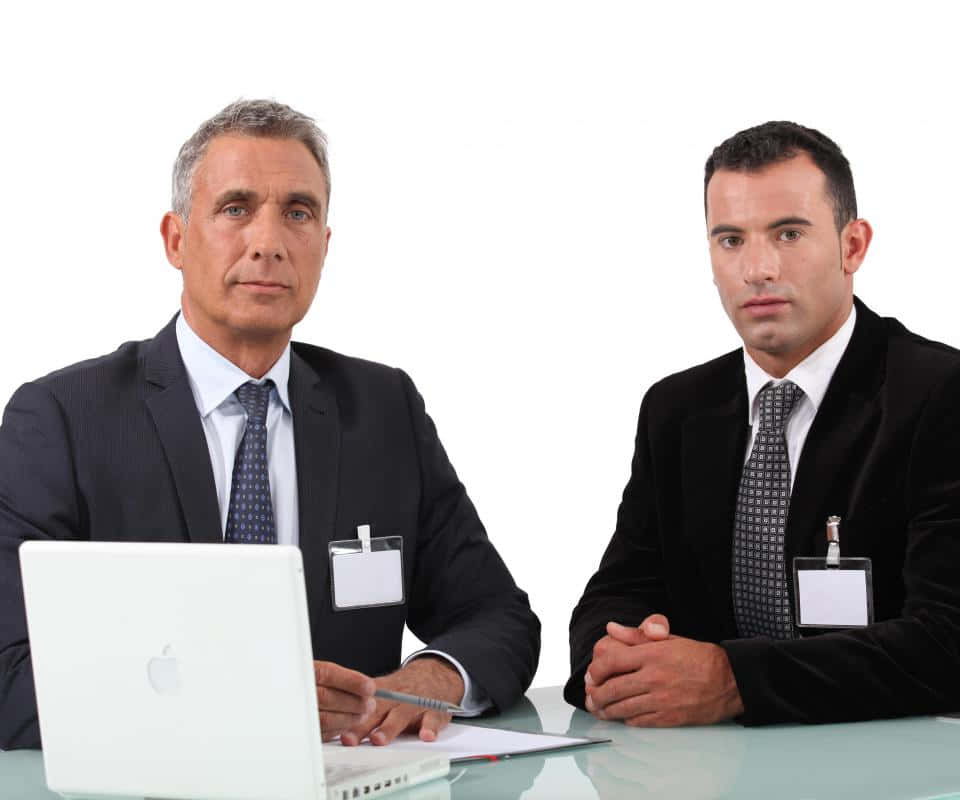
[[38, 500], [907, 665], [628, 586], [464, 601]]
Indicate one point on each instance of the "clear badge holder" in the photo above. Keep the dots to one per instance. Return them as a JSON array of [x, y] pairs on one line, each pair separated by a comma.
[[366, 572], [835, 591]]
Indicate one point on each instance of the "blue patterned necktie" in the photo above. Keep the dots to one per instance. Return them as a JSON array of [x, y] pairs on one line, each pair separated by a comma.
[[761, 601], [250, 515]]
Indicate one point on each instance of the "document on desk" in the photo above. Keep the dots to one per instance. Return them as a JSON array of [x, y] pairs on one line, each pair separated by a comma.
[[475, 743]]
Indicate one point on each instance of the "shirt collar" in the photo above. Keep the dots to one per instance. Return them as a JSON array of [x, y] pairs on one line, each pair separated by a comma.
[[813, 374], [214, 379]]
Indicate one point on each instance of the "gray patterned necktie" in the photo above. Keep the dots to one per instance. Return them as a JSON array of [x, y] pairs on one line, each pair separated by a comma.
[[761, 601], [250, 515]]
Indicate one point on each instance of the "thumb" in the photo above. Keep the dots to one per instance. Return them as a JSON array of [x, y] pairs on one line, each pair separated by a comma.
[[431, 724], [626, 634], [656, 627]]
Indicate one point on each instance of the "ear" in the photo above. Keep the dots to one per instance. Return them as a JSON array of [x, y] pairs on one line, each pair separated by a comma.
[[326, 249], [854, 241], [173, 229]]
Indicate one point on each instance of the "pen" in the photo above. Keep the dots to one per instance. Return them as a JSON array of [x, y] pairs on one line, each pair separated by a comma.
[[412, 699]]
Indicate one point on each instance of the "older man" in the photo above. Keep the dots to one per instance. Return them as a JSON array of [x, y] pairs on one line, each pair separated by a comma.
[[177, 437], [828, 410]]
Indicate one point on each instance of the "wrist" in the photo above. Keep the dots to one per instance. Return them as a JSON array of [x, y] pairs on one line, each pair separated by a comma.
[[441, 678], [732, 701]]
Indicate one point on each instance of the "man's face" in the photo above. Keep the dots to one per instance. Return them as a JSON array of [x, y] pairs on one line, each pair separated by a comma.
[[253, 249], [784, 275]]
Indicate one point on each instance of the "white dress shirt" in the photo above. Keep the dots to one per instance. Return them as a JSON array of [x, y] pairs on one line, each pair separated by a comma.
[[213, 381], [813, 375]]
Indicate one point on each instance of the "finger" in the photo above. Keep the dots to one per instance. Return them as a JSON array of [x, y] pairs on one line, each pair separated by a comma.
[[334, 700], [654, 719], [396, 722], [656, 627], [363, 727], [614, 659], [432, 723], [333, 724], [626, 634], [326, 673], [617, 689], [628, 707]]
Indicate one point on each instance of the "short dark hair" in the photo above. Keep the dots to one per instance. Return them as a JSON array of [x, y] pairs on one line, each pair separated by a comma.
[[753, 149]]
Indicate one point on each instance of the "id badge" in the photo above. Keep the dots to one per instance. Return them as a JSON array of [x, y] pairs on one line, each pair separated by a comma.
[[366, 572], [833, 596]]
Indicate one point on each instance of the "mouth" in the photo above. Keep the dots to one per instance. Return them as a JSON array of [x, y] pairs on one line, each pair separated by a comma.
[[764, 306], [263, 287]]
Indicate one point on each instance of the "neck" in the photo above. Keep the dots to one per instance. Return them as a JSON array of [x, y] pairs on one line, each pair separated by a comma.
[[255, 355]]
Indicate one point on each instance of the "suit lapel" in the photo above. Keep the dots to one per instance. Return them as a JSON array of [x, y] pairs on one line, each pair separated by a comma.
[[713, 444], [838, 439], [178, 424], [316, 433]]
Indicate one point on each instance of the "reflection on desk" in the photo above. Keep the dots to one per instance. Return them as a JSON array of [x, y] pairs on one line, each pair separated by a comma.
[[908, 758]]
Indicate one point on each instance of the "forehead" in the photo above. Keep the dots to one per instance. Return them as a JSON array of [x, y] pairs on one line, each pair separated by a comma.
[[258, 164], [795, 187]]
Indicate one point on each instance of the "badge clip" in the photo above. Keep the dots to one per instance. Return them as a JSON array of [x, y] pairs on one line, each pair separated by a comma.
[[833, 541]]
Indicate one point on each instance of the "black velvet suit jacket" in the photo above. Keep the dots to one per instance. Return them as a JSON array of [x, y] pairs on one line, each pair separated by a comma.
[[113, 449], [883, 453]]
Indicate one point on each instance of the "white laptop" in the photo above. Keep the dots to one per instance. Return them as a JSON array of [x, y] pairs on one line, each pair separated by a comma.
[[186, 671]]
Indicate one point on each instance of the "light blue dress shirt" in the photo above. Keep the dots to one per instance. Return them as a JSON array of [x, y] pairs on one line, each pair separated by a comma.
[[213, 381]]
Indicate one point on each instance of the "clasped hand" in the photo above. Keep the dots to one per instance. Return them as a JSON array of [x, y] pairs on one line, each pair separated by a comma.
[[647, 677], [348, 708]]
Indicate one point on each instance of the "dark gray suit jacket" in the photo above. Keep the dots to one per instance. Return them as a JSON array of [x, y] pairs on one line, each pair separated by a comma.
[[113, 449]]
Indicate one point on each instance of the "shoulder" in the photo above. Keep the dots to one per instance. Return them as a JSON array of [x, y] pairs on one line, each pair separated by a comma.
[[912, 355], [103, 376], [713, 383], [359, 385], [331, 365]]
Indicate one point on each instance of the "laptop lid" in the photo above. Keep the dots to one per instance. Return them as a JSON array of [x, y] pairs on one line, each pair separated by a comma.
[[173, 670]]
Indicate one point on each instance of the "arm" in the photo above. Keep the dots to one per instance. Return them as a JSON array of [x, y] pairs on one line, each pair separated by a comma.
[[464, 602], [38, 500], [901, 666], [628, 586]]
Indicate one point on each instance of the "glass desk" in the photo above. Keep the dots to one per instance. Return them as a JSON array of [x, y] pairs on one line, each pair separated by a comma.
[[917, 757]]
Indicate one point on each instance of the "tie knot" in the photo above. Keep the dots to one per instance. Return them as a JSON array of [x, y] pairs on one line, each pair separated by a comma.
[[776, 403], [254, 398]]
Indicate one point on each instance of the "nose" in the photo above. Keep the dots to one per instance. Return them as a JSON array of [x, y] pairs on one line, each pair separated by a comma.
[[760, 261], [266, 238]]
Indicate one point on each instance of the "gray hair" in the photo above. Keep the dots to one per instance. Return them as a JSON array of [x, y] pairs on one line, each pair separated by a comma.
[[265, 118]]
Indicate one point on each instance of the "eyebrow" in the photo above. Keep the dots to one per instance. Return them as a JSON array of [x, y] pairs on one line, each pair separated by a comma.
[[772, 226], [235, 195], [304, 198]]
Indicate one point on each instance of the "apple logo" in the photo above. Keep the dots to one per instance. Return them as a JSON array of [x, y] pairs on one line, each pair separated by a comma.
[[163, 673]]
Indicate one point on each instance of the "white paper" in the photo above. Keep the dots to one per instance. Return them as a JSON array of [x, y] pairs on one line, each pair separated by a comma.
[[367, 579], [832, 596], [472, 741]]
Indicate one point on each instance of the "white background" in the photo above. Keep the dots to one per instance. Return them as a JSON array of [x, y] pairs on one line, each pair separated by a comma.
[[517, 204]]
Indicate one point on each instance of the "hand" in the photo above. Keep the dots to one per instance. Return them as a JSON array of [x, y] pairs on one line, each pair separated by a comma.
[[646, 677], [343, 697], [427, 676]]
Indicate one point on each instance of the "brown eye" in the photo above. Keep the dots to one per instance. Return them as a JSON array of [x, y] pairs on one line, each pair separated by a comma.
[[789, 236]]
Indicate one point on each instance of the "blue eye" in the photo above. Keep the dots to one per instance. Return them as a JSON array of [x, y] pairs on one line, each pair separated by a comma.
[[299, 215], [234, 211]]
